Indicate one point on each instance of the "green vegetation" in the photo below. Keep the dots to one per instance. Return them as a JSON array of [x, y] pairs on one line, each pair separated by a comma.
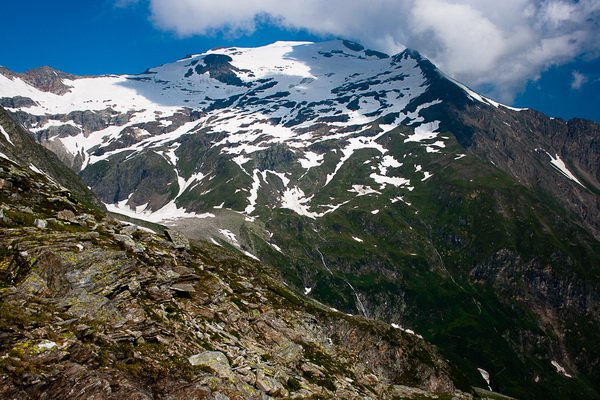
[[435, 266]]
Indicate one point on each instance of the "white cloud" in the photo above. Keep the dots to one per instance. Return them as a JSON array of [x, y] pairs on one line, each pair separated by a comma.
[[578, 81], [125, 3], [499, 45]]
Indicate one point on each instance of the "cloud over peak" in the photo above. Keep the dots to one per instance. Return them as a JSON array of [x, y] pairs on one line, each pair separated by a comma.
[[484, 43], [578, 81]]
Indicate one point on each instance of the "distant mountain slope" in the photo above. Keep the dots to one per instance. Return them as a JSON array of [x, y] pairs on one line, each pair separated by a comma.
[[374, 183], [18, 145], [94, 308]]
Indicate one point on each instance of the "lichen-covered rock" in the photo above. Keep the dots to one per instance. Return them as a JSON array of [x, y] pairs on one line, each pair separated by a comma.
[[213, 360], [183, 288], [130, 244], [179, 240], [65, 215]]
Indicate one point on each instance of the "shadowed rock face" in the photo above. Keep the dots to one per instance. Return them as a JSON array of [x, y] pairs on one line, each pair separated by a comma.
[[524, 144], [16, 102], [91, 307], [218, 67]]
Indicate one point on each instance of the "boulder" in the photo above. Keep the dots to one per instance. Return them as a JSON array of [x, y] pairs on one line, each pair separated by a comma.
[[65, 215], [178, 239], [215, 360]]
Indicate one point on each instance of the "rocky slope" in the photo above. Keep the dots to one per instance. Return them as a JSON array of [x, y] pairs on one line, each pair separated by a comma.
[[17, 144], [373, 183], [91, 307]]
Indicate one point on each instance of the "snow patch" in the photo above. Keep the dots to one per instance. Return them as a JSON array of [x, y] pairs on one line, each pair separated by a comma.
[[560, 369], [424, 132], [252, 256], [241, 160], [475, 96], [486, 377], [427, 176], [273, 245], [253, 192], [311, 160], [230, 236], [560, 165], [169, 212], [391, 162], [362, 190], [400, 198], [409, 331], [6, 136], [354, 144], [295, 200], [387, 180], [47, 345]]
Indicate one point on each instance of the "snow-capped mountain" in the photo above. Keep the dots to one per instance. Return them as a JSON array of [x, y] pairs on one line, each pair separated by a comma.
[[245, 102], [375, 184]]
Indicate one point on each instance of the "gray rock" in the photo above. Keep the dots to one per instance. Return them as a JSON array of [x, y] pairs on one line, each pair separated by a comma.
[[214, 360], [86, 219], [125, 240], [17, 102], [289, 352], [183, 288], [129, 243], [129, 230], [41, 223], [138, 248], [65, 215], [267, 384], [33, 285], [179, 240], [90, 236], [134, 286], [5, 184], [3, 217]]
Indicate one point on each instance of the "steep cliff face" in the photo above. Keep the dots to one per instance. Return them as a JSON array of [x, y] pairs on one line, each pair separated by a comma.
[[532, 147]]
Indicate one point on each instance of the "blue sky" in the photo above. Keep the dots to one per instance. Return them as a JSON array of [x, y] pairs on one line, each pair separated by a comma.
[[543, 54]]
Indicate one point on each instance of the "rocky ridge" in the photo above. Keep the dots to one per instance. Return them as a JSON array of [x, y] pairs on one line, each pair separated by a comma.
[[46, 79]]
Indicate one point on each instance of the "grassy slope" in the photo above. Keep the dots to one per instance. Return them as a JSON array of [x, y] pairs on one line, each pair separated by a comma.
[[417, 260]]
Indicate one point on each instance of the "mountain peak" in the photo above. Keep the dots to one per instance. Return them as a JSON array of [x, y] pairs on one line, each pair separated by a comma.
[[45, 79]]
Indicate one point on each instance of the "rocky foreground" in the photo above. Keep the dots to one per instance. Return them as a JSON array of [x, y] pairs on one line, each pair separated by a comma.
[[94, 308]]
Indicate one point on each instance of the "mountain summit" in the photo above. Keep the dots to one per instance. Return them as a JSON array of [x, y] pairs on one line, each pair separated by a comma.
[[374, 183]]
